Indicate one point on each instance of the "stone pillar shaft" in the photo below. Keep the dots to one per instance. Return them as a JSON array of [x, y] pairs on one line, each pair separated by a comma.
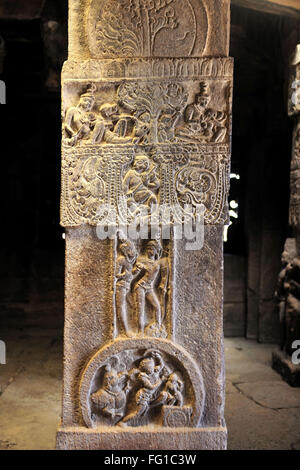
[[146, 111]]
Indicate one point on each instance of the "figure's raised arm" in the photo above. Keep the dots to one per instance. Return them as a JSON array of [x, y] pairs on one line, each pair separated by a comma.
[[158, 358]]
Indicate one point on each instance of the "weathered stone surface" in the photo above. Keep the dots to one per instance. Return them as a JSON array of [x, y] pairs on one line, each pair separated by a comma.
[[294, 110], [170, 28], [89, 311], [175, 123], [145, 134], [141, 439], [263, 394]]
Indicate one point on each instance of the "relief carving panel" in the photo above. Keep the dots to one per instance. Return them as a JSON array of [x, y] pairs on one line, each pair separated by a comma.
[[294, 110], [112, 187], [140, 382], [149, 28], [142, 288], [295, 179], [131, 144]]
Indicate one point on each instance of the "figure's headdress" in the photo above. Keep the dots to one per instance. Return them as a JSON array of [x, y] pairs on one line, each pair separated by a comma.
[[203, 89], [157, 245], [90, 92]]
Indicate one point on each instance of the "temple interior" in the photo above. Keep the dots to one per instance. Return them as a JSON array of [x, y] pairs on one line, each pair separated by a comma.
[[262, 410]]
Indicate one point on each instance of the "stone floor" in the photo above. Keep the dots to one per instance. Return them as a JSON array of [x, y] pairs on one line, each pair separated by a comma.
[[262, 412]]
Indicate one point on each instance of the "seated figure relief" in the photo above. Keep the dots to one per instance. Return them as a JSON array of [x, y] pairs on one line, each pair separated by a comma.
[[141, 184], [134, 392], [171, 395], [105, 124], [80, 120], [141, 114], [203, 124], [111, 398]]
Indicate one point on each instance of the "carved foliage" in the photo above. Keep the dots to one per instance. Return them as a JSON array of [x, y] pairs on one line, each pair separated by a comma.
[[192, 68], [159, 106], [145, 112], [127, 180], [149, 28]]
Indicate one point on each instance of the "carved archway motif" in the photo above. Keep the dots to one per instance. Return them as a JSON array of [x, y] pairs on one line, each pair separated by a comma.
[[111, 391], [149, 28]]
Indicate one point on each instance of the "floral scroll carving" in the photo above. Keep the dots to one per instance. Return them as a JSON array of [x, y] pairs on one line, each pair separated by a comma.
[[132, 144], [129, 181]]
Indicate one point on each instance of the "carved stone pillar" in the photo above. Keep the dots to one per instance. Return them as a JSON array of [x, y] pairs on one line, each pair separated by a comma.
[[146, 130], [286, 361], [294, 112]]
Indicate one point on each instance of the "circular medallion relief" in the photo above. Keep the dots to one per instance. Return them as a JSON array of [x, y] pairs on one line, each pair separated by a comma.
[[137, 382]]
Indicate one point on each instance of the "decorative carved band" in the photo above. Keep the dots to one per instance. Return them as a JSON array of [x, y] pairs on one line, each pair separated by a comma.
[[208, 68], [124, 179]]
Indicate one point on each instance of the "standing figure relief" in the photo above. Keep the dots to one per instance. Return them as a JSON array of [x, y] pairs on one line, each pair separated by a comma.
[[124, 277], [141, 289]]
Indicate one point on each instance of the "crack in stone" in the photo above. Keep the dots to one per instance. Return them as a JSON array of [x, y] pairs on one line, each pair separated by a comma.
[[10, 381], [236, 385]]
